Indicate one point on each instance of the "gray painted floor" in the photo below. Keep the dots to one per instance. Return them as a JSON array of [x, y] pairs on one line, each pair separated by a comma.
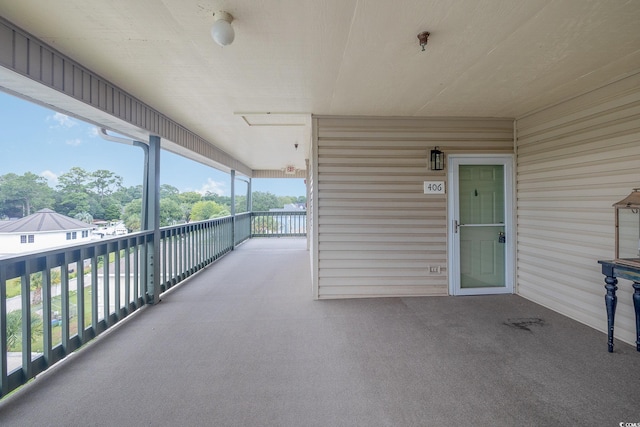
[[243, 344]]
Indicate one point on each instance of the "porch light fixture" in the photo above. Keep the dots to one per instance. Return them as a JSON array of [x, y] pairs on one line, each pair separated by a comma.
[[423, 38], [222, 31], [437, 159]]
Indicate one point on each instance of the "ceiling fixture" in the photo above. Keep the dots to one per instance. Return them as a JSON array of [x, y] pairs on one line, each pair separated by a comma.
[[423, 37], [222, 31]]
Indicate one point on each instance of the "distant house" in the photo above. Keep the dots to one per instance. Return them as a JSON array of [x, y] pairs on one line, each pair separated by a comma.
[[40, 231], [109, 228], [291, 207]]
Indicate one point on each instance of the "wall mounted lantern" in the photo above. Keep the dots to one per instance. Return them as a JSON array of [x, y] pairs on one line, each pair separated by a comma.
[[437, 159]]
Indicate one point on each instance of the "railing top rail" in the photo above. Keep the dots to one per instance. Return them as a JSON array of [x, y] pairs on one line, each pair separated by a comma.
[[267, 213]]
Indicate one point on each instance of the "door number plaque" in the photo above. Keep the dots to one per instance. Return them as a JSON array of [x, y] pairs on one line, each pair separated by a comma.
[[434, 187]]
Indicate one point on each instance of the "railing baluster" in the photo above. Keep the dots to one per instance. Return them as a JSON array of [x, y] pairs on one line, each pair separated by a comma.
[[94, 292], [163, 261], [47, 342], [136, 274], [80, 300], [127, 277], [25, 283], [4, 380], [116, 281], [174, 264], [105, 286], [65, 315]]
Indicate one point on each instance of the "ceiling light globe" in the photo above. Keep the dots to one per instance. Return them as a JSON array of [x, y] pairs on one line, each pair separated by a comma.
[[222, 31]]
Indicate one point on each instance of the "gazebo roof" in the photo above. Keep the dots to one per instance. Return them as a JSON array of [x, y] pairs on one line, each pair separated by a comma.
[[42, 221]]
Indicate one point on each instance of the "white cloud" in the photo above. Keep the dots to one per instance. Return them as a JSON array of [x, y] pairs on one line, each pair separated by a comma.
[[213, 187], [73, 142], [93, 132], [50, 176], [63, 120]]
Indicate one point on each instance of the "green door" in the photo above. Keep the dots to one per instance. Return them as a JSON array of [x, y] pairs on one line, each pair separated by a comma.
[[482, 232], [480, 205]]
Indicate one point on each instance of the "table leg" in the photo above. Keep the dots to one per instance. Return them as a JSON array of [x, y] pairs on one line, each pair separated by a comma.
[[636, 305], [610, 300]]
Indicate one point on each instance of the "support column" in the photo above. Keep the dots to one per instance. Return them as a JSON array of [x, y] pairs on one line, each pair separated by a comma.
[[151, 220], [249, 199], [233, 209]]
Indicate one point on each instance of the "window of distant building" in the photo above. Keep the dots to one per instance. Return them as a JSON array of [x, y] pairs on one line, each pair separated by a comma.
[[24, 238], [74, 235], [85, 233], [68, 236]]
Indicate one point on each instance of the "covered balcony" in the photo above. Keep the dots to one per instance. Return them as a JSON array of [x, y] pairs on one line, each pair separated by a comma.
[[531, 111]]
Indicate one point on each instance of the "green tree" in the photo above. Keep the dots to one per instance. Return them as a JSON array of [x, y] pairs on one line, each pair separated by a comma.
[[112, 208], [14, 329], [221, 200], [72, 203], [207, 209], [186, 211], [74, 181], [262, 202], [104, 183], [189, 197], [132, 215], [127, 194], [73, 196], [241, 204], [286, 200], [169, 192], [21, 195], [170, 212], [187, 200], [84, 217]]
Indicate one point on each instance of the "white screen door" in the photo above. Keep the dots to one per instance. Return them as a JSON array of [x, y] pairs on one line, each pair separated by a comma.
[[480, 232]]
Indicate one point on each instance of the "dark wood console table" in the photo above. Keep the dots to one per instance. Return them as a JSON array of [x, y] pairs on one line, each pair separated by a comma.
[[612, 270]]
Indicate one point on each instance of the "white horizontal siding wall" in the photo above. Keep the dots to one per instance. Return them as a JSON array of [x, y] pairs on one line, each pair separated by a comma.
[[377, 232], [574, 161]]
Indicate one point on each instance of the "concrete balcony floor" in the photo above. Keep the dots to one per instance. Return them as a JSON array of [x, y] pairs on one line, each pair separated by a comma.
[[243, 344]]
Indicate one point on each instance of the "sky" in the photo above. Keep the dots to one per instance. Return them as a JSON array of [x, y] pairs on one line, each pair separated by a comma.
[[47, 143]]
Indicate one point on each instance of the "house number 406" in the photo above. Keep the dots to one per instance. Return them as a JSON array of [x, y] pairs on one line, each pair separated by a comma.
[[434, 187]]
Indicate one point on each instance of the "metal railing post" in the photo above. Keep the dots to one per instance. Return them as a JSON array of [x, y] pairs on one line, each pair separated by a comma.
[[153, 221], [233, 209]]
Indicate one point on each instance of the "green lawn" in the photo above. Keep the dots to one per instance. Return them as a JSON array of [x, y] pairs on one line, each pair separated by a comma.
[[13, 288]]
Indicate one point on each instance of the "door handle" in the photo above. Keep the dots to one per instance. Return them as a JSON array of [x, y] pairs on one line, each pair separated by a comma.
[[501, 237]]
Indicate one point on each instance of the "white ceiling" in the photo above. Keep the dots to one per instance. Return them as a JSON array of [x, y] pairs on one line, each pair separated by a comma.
[[292, 58]]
